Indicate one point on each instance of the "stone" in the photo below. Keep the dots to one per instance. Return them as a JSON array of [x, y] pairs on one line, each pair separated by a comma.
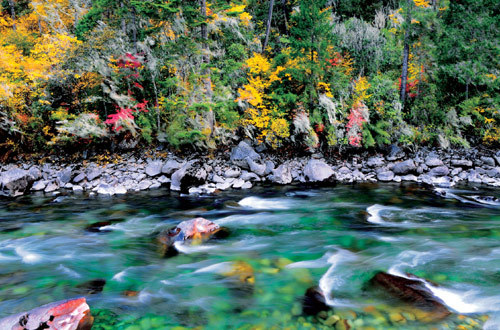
[[15, 182], [249, 176], [35, 172], [412, 290], [51, 186], [497, 159], [179, 175], [404, 167], [163, 179], [93, 173], [375, 162], [282, 175], [257, 168], [154, 168], [409, 177], [143, 185], [223, 185], [218, 179], [238, 183], [269, 167], [395, 153], [120, 190], [317, 170], [170, 167], [232, 173], [385, 176], [433, 162], [105, 189], [314, 302], [488, 161], [155, 185], [494, 172], [79, 178], [77, 188], [247, 185], [461, 162], [64, 176], [240, 153], [439, 171], [39, 185]]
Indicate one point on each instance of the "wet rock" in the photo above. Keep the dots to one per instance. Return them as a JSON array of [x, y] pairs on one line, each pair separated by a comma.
[[409, 177], [198, 229], [203, 190], [39, 185], [439, 171], [433, 162], [240, 153], [404, 167], [170, 167], [412, 290], [395, 153], [248, 176], [71, 314], [385, 176], [494, 172], [317, 170], [154, 168], [461, 162], [35, 172], [97, 227], [15, 182], [179, 175], [314, 302], [282, 175], [93, 286]]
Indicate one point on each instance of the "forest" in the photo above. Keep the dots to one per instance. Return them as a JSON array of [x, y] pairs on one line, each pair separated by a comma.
[[198, 75]]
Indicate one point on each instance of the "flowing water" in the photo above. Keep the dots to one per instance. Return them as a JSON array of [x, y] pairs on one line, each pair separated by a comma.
[[292, 237]]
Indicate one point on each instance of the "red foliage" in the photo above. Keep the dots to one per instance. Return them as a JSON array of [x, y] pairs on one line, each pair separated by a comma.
[[125, 114]]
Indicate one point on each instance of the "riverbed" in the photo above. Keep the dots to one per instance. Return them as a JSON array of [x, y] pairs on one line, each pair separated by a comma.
[[289, 238]]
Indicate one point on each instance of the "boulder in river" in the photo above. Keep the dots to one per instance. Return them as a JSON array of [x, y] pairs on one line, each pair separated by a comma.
[[15, 182], [414, 291], [195, 230], [71, 314], [314, 302]]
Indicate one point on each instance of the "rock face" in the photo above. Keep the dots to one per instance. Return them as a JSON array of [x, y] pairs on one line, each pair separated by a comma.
[[241, 153], [199, 229], [412, 290], [71, 314], [405, 167], [15, 182], [317, 171]]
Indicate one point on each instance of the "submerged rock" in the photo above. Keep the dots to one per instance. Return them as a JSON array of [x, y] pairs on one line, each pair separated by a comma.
[[314, 302], [71, 314], [196, 230], [414, 291]]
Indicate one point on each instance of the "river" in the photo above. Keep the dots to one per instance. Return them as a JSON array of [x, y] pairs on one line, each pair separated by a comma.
[[290, 238]]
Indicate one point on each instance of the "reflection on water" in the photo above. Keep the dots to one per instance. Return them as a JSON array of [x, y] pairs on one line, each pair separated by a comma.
[[287, 238]]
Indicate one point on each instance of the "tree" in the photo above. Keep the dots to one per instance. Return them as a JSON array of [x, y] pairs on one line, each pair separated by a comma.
[[268, 25]]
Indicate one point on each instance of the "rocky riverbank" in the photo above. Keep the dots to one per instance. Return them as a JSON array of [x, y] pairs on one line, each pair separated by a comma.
[[244, 167]]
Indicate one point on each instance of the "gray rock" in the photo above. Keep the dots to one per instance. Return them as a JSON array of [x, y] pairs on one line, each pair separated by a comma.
[[218, 179], [238, 183], [179, 175], [143, 185], [223, 185], [35, 172], [64, 176], [77, 188], [385, 176], [93, 173], [375, 162], [461, 162], [52, 186], [15, 182], [154, 168], [232, 173], [247, 185], [395, 153], [455, 171], [39, 185], [240, 153], [433, 162], [439, 171], [79, 178], [397, 178], [497, 159], [317, 170], [170, 167], [155, 185], [105, 189], [404, 167], [163, 179], [488, 161], [494, 172], [409, 177], [248, 176], [282, 174], [269, 167], [257, 168]]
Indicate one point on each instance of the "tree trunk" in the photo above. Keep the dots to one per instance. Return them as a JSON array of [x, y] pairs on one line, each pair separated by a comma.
[[12, 14], [268, 27], [134, 29], [285, 15], [124, 26], [210, 117], [406, 55]]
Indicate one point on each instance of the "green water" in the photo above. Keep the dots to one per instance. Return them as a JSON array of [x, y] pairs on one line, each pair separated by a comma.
[[293, 238]]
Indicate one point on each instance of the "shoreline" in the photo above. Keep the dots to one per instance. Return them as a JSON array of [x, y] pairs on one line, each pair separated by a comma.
[[243, 167]]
